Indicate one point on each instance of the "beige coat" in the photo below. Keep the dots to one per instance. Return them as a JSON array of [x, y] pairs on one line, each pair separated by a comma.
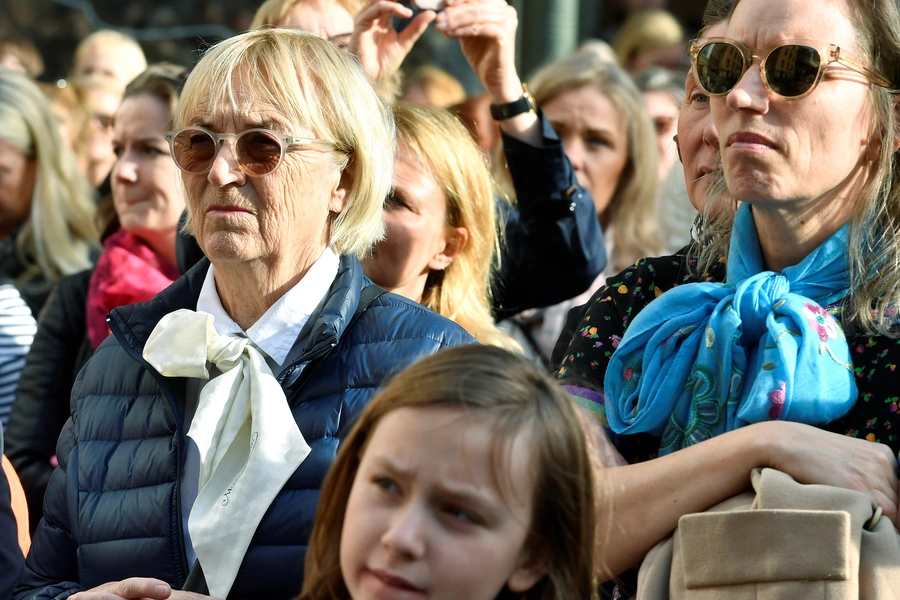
[[782, 541]]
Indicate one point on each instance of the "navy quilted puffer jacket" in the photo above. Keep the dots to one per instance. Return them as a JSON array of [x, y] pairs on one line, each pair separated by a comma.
[[113, 507]]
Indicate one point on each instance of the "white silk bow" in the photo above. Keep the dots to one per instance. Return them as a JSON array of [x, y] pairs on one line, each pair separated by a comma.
[[248, 441]]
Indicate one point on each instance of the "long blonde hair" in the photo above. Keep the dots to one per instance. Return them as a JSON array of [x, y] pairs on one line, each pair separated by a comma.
[[57, 237], [462, 291], [632, 212], [513, 395]]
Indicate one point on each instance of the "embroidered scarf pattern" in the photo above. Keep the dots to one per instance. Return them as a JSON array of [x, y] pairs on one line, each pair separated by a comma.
[[706, 358]]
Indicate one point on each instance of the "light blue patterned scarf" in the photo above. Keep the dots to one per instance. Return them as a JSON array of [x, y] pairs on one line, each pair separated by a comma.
[[706, 358]]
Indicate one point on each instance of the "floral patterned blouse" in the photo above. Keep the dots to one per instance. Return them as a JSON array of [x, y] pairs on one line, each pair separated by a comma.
[[610, 310]]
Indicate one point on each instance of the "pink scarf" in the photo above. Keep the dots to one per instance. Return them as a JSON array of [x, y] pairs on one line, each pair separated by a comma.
[[127, 272]]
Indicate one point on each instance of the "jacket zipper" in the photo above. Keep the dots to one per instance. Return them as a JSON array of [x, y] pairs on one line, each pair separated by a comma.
[[179, 520]]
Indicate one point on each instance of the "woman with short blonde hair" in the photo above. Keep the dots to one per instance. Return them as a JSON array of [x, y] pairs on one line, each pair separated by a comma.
[[310, 98]]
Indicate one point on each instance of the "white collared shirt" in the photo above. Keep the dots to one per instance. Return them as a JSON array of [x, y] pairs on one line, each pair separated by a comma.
[[275, 334]]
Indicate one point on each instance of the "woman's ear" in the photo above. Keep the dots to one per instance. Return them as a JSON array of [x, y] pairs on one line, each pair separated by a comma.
[[455, 240], [340, 195], [531, 569]]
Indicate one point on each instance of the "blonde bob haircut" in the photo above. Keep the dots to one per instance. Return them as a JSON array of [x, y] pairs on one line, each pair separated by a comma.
[[272, 12], [443, 146], [632, 213], [513, 396], [57, 237], [324, 93]]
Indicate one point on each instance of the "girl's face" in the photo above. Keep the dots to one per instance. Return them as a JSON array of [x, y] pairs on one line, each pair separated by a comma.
[[426, 518], [593, 134]]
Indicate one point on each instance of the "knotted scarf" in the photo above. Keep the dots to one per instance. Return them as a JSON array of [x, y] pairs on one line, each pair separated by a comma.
[[706, 358], [127, 272], [248, 441]]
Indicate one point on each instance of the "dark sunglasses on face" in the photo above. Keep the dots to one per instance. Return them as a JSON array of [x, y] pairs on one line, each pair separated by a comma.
[[791, 69], [258, 152]]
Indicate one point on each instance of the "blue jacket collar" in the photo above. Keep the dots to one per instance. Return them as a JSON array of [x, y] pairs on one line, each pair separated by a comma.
[[136, 322]]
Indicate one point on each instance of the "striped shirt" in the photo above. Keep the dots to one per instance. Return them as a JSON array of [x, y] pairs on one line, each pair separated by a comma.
[[17, 329]]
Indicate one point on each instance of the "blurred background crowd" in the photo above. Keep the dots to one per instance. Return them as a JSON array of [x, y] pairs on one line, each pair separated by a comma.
[[169, 30]]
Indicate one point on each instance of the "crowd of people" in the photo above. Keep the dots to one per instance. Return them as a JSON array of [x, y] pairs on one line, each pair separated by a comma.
[[293, 322]]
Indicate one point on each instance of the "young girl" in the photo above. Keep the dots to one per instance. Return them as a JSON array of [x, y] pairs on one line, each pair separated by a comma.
[[466, 477]]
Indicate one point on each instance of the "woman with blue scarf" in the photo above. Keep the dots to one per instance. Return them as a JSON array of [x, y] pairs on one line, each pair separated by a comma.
[[778, 346]]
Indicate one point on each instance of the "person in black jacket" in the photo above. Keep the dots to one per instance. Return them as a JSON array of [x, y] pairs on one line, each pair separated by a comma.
[[202, 428]]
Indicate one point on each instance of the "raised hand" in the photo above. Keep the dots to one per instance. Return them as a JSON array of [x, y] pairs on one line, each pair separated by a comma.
[[486, 30], [380, 47]]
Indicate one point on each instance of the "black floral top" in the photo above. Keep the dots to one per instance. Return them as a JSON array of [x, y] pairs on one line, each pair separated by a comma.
[[611, 309]]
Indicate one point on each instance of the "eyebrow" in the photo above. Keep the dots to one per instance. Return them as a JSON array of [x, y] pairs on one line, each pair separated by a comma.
[[607, 132], [258, 123], [465, 493], [151, 139]]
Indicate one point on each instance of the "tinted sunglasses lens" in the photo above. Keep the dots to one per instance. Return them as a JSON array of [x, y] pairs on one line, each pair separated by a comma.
[[792, 70], [259, 152], [719, 67], [194, 150]]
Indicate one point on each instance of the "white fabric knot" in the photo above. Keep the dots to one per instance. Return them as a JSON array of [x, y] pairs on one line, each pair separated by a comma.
[[248, 441]]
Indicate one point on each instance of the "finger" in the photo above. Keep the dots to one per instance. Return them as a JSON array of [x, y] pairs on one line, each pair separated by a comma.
[[888, 505], [415, 29], [379, 10], [486, 24], [470, 14], [142, 587], [476, 2]]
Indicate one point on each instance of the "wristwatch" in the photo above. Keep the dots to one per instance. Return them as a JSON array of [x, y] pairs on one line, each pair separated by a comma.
[[501, 112]]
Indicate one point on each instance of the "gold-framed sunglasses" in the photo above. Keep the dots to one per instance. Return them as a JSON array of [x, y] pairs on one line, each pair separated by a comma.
[[258, 152], [792, 69]]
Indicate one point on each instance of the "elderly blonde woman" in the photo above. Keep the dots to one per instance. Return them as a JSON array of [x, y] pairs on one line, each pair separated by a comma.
[[442, 243], [46, 205], [225, 397]]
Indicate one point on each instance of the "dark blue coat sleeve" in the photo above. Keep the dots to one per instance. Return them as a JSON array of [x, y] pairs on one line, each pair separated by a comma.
[[554, 243], [11, 559], [51, 568]]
